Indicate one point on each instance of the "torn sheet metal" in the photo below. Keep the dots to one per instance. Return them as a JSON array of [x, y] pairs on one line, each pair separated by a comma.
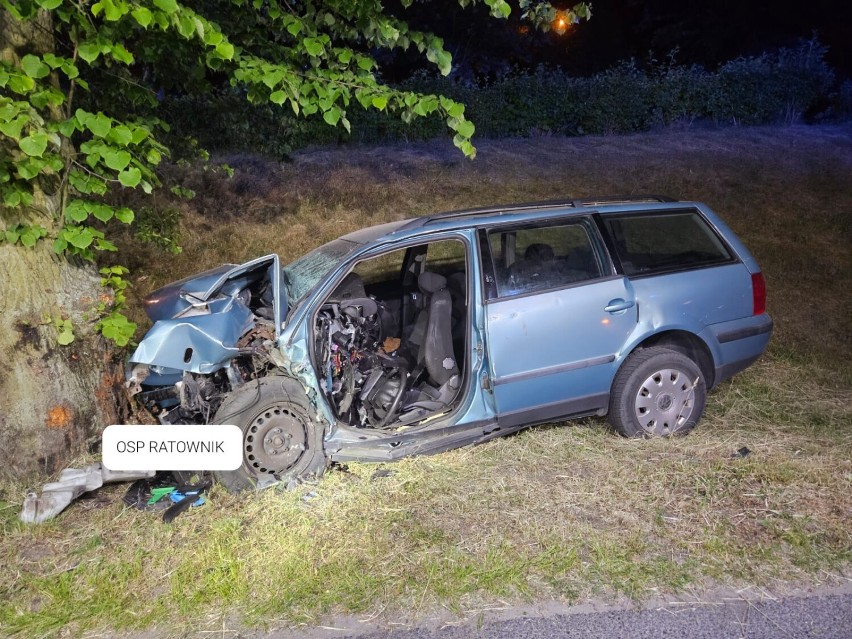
[[73, 482]]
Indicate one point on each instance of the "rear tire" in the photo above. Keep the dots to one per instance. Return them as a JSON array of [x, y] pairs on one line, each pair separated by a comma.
[[657, 393], [281, 442]]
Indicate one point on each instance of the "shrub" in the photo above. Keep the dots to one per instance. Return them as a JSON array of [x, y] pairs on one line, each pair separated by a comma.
[[769, 88]]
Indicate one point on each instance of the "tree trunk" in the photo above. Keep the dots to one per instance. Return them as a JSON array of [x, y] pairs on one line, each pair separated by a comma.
[[54, 400]]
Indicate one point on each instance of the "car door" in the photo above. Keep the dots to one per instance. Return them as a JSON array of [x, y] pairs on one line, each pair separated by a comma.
[[556, 316]]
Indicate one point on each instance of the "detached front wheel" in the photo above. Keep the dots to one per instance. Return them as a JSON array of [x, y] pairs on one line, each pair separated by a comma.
[[280, 439], [658, 392]]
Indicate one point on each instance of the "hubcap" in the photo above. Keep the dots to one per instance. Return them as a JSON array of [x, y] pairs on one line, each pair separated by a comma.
[[664, 402], [275, 440]]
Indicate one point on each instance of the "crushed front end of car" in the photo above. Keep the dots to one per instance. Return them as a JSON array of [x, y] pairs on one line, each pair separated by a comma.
[[212, 333]]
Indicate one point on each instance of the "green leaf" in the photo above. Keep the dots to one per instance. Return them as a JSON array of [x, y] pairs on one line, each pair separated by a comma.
[[120, 135], [113, 9], [142, 16], [12, 198], [76, 211], [102, 212], [124, 215], [30, 167], [120, 53], [59, 245], [453, 109], [332, 116], [50, 5], [139, 134], [13, 128], [65, 337], [169, 6], [89, 51], [70, 70], [117, 160], [21, 84], [380, 101], [34, 144], [34, 67], [212, 37], [278, 97], [117, 328], [271, 78], [130, 177], [444, 62], [466, 128], [313, 46], [31, 235], [99, 125], [225, 50], [153, 156], [80, 237]]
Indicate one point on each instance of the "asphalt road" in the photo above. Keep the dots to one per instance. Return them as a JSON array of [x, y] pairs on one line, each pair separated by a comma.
[[822, 616]]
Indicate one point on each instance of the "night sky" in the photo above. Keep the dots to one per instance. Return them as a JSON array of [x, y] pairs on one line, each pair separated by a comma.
[[706, 32]]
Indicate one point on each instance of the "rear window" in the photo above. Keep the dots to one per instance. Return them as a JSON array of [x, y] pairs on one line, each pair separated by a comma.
[[657, 242]]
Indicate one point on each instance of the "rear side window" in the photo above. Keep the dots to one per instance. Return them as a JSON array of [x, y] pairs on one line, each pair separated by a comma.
[[527, 260], [658, 242]]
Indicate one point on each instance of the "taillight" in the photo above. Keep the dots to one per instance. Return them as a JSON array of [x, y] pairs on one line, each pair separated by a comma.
[[758, 293]]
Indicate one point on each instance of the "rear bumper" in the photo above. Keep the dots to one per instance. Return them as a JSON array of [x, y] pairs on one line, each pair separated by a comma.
[[740, 344]]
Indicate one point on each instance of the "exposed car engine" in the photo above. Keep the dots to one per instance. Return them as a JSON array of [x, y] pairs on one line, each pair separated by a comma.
[[363, 375]]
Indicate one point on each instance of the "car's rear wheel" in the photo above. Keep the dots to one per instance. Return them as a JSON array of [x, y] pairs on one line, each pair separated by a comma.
[[281, 441], [658, 392]]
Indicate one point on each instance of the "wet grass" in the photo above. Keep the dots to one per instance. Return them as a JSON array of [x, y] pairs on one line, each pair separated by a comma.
[[564, 511]]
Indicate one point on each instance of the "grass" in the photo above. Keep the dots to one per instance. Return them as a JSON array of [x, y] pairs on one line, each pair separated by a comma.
[[555, 512]]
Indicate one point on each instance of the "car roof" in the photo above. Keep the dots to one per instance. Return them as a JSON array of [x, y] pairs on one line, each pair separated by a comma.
[[466, 218]]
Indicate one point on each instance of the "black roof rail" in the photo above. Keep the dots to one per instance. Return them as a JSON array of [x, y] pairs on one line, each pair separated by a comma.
[[513, 208]]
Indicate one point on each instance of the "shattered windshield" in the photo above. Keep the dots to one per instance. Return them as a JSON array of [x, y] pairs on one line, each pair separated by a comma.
[[302, 275]]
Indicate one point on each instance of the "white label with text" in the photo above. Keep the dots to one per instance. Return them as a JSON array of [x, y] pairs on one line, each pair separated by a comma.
[[172, 447]]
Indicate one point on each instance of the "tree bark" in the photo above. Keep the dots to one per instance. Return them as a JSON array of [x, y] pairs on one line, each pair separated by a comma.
[[54, 400]]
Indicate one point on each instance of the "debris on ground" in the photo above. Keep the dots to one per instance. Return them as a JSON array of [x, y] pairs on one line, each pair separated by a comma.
[[164, 491], [73, 482], [382, 472]]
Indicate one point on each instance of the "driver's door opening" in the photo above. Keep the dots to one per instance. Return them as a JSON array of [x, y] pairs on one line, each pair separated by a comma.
[[391, 339]]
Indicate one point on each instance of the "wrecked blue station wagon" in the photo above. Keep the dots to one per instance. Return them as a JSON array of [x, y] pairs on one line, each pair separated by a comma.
[[427, 334]]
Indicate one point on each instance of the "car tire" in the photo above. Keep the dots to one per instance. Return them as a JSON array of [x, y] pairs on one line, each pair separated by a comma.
[[657, 392], [281, 442]]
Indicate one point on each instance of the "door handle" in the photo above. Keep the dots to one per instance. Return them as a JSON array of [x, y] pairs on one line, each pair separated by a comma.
[[618, 304]]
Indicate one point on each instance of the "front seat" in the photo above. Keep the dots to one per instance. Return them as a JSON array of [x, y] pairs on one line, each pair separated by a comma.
[[435, 353]]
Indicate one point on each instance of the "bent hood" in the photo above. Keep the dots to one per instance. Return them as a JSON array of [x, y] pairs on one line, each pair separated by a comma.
[[199, 320]]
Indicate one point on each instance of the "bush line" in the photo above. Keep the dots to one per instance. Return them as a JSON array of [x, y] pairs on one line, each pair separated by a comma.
[[780, 86]]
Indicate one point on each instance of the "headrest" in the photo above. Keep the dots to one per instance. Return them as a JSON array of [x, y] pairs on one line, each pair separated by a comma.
[[431, 282], [538, 253]]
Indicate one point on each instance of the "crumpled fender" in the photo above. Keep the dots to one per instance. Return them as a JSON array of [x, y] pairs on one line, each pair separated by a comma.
[[198, 344]]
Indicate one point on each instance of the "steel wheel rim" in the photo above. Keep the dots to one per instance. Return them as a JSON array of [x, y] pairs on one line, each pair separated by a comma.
[[275, 440], [664, 402]]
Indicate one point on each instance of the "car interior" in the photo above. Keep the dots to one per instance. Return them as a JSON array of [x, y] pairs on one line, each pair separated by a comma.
[[390, 340]]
